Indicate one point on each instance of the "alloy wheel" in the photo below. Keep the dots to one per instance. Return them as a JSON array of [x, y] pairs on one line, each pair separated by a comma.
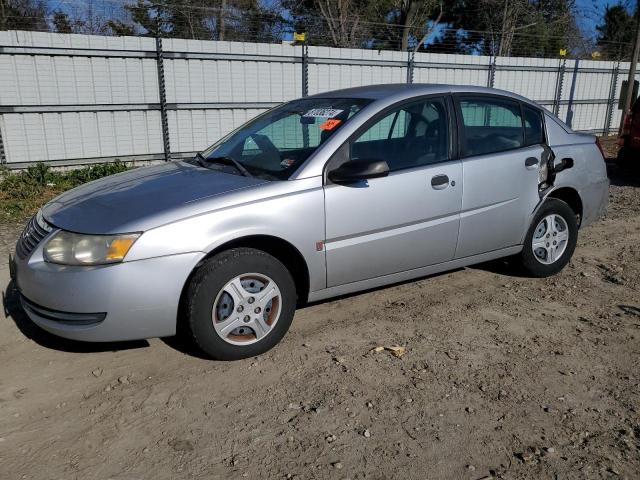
[[550, 239], [246, 309]]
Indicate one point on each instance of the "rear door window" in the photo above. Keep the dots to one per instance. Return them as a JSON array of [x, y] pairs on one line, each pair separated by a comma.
[[490, 125]]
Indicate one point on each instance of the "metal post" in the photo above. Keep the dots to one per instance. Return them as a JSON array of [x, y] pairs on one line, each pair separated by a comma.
[[572, 92], [491, 79], [305, 88], [612, 98], [162, 94], [632, 70], [305, 68], [410, 65], [559, 84], [3, 158]]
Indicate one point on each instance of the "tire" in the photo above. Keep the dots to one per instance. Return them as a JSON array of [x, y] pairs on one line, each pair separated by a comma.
[[547, 260], [223, 304]]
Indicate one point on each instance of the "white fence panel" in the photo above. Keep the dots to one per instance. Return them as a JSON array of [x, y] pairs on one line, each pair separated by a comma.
[[519, 75], [193, 130], [240, 77], [337, 68], [80, 135], [83, 98], [451, 69]]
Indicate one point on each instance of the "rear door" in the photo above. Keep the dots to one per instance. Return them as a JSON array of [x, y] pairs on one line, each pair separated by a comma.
[[408, 219], [501, 149]]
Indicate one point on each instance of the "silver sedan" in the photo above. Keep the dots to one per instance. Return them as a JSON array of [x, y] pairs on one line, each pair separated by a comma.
[[319, 197]]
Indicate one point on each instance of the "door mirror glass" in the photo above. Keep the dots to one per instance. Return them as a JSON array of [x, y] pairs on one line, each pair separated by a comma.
[[359, 170]]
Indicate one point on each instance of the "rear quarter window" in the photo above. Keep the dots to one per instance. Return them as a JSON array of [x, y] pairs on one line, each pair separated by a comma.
[[533, 126]]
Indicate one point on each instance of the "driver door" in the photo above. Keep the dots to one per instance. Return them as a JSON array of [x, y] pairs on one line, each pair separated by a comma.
[[408, 219]]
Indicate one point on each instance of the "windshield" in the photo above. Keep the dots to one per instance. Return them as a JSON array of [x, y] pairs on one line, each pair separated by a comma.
[[276, 143]]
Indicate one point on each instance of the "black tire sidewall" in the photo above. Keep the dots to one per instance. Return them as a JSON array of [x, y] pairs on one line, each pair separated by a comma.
[[212, 277], [528, 259]]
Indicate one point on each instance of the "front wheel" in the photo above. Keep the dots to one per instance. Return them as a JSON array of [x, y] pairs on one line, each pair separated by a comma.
[[240, 303], [551, 239]]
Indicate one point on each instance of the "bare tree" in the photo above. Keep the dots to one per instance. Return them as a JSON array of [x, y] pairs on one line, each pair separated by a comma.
[[413, 15], [344, 21], [504, 19], [404, 20], [430, 29]]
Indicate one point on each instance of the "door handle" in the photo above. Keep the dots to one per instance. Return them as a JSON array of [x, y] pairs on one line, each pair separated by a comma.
[[531, 162], [438, 182]]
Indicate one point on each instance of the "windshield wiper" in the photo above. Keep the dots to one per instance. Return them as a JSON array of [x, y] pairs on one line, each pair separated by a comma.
[[226, 160]]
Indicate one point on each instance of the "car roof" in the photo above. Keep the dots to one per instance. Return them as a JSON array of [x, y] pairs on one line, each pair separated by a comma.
[[408, 90]]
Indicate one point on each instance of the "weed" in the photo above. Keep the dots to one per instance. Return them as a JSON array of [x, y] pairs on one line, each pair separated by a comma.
[[23, 192]]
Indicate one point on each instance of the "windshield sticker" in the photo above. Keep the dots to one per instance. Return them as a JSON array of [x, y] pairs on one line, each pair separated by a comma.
[[330, 124], [287, 162], [323, 112]]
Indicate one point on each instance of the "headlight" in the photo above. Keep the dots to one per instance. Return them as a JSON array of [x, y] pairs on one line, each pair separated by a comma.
[[69, 248]]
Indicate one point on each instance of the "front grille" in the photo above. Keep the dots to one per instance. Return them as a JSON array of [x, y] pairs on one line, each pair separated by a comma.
[[32, 235]]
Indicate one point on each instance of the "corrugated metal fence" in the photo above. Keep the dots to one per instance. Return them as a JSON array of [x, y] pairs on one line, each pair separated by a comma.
[[70, 99]]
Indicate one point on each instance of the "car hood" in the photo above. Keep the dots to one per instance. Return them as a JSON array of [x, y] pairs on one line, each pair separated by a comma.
[[140, 199]]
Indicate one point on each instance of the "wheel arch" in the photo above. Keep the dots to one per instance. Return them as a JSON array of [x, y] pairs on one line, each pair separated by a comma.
[[571, 197], [277, 247]]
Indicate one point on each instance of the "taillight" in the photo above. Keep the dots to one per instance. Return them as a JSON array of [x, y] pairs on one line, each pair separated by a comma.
[[600, 148]]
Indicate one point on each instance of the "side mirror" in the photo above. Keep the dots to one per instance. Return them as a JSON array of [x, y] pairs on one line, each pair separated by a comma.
[[563, 164], [355, 170]]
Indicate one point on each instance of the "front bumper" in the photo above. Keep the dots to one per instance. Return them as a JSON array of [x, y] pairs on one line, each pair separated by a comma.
[[124, 301]]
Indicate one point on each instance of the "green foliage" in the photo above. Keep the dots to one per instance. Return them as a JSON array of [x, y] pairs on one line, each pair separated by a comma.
[[23, 15], [23, 192], [615, 33], [61, 22]]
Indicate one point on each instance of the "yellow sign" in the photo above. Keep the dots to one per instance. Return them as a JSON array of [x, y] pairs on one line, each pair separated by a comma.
[[595, 55], [563, 52], [298, 37]]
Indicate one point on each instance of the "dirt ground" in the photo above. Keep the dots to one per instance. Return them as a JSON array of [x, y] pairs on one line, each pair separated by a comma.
[[504, 377]]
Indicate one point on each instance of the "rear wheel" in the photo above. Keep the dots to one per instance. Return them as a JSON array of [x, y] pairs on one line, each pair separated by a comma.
[[240, 303], [551, 239]]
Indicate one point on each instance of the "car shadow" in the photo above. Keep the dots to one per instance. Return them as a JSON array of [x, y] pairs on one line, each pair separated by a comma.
[[622, 177], [502, 266], [183, 344], [13, 310], [374, 289]]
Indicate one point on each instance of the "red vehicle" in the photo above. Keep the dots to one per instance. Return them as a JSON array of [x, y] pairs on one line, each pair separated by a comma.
[[629, 140]]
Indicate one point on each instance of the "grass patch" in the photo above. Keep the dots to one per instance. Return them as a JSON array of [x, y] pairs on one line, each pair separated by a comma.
[[23, 192]]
